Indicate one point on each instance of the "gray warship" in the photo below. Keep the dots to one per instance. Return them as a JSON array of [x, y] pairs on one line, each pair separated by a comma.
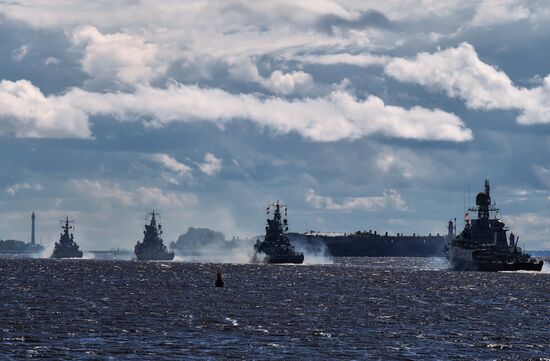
[[152, 248], [276, 246], [66, 247], [483, 244]]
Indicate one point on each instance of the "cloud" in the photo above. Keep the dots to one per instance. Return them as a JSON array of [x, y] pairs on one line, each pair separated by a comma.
[[15, 188], [25, 112], [171, 164], [390, 199], [288, 83], [50, 60], [461, 74], [211, 165], [397, 163], [500, 12], [153, 196], [542, 173], [140, 196], [338, 116], [103, 190], [532, 228], [125, 58], [362, 60], [20, 53], [299, 82], [370, 18]]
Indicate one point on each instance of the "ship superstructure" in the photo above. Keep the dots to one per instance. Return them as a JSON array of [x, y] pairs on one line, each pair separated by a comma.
[[67, 247], [152, 248], [276, 246], [483, 245]]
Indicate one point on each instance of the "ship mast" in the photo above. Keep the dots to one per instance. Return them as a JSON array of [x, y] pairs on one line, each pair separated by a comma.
[[483, 203], [153, 223], [66, 226], [277, 217]]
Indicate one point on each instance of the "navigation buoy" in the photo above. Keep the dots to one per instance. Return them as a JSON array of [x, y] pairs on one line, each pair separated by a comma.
[[219, 281]]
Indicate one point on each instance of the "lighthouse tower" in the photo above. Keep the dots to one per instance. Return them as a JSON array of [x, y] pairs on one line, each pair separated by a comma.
[[32, 230]]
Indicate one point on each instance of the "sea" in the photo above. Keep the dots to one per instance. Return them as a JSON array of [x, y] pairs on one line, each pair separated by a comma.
[[344, 309]]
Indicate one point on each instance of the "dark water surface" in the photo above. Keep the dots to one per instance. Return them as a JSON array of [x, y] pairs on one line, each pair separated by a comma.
[[357, 308]]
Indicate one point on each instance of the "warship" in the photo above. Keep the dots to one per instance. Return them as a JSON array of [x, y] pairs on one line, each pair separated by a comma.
[[66, 247], [276, 246], [152, 248], [369, 243], [483, 245]]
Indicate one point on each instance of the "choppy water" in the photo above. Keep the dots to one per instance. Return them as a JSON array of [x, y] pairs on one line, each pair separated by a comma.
[[356, 308]]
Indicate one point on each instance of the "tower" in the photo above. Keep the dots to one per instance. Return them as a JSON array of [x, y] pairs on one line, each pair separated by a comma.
[[32, 230], [450, 229]]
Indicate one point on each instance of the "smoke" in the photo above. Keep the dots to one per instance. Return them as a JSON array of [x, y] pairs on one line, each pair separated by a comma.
[[205, 245], [47, 251], [88, 255], [546, 265], [242, 254], [314, 253], [258, 258]]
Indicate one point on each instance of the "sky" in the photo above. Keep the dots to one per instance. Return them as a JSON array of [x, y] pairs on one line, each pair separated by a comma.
[[357, 115]]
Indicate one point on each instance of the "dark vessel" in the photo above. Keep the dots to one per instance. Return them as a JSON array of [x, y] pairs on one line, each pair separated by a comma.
[[66, 247], [276, 246], [152, 248], [372, 244], [483, 244]]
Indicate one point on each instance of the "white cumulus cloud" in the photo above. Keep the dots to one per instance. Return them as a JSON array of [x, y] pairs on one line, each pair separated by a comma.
[[288, 83], [211, 164], [461, 74], [26, 112], [335, 117], [171, 164], [130, 196], [389, 199], [126, 58], [294, 82]]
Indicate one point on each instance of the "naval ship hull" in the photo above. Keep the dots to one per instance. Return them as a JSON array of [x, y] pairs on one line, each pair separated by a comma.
[[373, 245], [464, 260], [154, 256], [66, 253], [285, 258]]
